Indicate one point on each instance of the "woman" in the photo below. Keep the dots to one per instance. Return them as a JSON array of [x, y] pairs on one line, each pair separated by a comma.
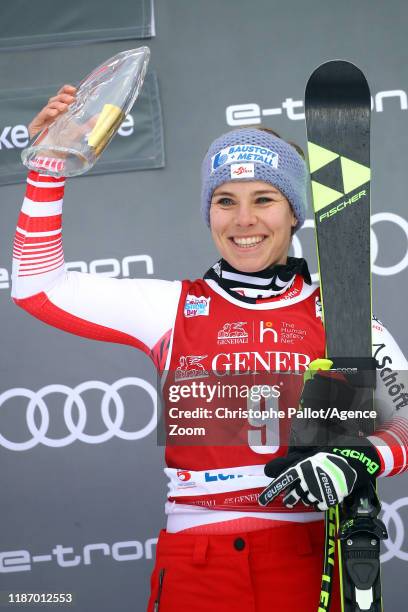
[[255, 309]]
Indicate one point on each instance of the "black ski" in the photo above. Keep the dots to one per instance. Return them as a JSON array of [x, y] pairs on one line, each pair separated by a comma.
[[337, 106]]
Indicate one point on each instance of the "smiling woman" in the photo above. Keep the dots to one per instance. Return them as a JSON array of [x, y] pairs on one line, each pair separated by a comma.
[[251, 225], [254, 199], [254, 313], [254, 186]]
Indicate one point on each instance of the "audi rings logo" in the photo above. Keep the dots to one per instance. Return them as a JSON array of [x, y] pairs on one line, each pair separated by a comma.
[[111, 402], [390, 218], [391, 516]]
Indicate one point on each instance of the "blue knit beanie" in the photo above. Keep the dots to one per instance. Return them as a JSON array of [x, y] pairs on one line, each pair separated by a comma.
[[251, 154]]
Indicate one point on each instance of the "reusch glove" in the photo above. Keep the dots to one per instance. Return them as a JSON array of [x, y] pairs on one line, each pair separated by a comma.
[[322, 477]]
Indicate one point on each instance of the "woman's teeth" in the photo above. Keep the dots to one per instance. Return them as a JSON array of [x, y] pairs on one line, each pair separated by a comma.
[[248, 242]]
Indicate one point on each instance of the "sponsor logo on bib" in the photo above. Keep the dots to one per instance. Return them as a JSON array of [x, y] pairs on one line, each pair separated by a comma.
[[197, 306], [233, 333]]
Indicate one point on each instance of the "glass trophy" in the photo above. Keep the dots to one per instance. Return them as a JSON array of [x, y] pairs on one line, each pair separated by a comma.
[[73, 143]]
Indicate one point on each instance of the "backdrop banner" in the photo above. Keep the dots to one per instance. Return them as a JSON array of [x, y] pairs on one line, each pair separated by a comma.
[[65, 24], [139, 144], [82, 487]]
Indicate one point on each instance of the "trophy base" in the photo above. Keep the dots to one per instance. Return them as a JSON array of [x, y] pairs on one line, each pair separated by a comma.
[[57, 161]]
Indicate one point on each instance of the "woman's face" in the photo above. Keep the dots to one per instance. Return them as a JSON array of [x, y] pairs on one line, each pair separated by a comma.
[[251, 224]]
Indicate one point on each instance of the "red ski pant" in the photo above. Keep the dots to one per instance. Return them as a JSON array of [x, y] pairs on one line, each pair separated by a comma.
[[274, 570]]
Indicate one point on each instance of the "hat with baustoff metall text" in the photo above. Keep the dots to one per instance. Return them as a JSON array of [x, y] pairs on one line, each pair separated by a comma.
[[252, 154]]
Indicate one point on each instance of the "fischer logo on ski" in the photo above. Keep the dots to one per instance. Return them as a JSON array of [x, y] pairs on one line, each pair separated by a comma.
[[333, 177], [342, 205]]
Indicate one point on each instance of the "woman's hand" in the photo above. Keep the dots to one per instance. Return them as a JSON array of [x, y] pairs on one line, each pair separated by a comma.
[[322, 478], [56, 106]]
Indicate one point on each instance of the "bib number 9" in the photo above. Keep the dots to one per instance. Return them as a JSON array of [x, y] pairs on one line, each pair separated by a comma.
[[264, 435]]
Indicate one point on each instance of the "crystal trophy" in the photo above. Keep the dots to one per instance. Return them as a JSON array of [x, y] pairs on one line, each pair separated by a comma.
[[73, 143]]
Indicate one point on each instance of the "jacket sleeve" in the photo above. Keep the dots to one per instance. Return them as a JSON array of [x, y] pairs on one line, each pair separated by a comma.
[[138, 312], [391, 402]]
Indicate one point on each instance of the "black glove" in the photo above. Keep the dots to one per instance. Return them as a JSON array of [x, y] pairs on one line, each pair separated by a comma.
[[322, 391], [336, 388], [321, 477]]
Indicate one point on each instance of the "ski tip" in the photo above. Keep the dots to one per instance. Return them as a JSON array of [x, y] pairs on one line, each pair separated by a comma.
[[337, 66], [339, 79]]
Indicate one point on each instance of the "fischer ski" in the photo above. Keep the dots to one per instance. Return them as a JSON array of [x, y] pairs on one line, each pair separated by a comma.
[[337, 109]]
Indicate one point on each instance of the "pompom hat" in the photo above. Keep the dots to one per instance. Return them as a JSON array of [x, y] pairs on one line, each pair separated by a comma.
[[255, 155]]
